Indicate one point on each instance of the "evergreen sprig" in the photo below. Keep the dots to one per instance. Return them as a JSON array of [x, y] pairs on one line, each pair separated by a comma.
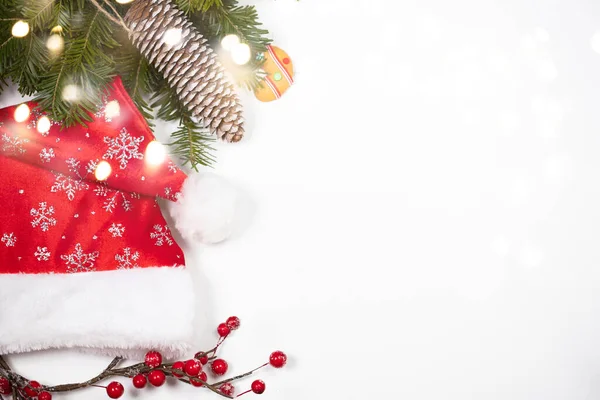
[[96, 48]]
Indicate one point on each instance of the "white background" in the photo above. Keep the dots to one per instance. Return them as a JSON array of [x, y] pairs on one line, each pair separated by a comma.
[[421, 209]]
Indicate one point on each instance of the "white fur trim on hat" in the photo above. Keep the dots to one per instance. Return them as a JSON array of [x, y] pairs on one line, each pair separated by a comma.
[[122, 312], [205, 211]]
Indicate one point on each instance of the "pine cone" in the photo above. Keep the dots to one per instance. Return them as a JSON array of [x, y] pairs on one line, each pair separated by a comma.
[[190, 66]]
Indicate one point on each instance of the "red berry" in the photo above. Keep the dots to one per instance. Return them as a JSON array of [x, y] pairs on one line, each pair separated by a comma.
[[115, 390], [32, 389], [196, 382], [227, 389], [139, 381], [192, 367], [233, 323], [204, 360], [177, 369], [219, 366], [4, 386], [156, 377], [153, 359], [278, 359], [258, 386], [45, 396], [199, 381], [223, 330]]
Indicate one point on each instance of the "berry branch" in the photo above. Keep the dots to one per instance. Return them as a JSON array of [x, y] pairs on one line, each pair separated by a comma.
[[152, 370]]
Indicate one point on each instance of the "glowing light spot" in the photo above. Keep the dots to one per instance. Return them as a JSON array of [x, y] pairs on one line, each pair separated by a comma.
[[20, 29], [55, 43], [112, 109], [241, 54], [595, 42], [70, 93], [57, 29], [22, 113], [43, 124], [155, 153], [229, 42], [103, 171], [124, 1], [172, 37]]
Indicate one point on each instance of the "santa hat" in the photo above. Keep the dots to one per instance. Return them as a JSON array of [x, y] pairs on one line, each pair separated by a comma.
[[86, 258]]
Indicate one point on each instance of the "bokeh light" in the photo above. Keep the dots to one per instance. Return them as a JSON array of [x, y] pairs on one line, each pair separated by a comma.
[[55, 43], [241, 53], [155, 153], [43, 124], [229, 42], [103, 170], [22, 113], [112, 109], [20, 29], [172, 37], [70, 93], [123, 1]]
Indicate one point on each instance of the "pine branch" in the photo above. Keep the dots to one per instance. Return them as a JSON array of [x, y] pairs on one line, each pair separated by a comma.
[[137, 78], [191, 143]]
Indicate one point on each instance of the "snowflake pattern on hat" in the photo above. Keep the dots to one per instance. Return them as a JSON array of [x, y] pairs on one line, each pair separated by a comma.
[[77, 223]]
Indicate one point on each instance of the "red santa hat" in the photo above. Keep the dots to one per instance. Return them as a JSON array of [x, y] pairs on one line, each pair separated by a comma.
[[86, 258]]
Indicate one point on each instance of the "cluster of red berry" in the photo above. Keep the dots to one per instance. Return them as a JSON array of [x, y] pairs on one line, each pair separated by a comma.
[[155, 372]]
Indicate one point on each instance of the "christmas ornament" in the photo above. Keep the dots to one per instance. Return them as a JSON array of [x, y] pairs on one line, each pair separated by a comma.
[[138, 372], [279, 72], [170, 42], [69, 242]]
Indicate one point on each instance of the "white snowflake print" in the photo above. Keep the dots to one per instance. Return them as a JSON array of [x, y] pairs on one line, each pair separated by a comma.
[[42, 216], [78, 261], [127, 259], [9, 239], [168, 192], [42, 254], [13, 144], [124, 147], [114, 198], [172, 167], [116, 230], [47, 154], [91, 166], [68, 185], [162, 235]]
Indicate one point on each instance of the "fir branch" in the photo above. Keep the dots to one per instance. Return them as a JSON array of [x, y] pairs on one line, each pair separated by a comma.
[[191, 143]]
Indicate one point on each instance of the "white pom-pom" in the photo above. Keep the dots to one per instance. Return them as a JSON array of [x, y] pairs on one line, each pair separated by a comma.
[[206, 209]]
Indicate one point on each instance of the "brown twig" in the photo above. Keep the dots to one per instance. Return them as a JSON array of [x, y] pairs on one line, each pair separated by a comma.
[[110, 16]]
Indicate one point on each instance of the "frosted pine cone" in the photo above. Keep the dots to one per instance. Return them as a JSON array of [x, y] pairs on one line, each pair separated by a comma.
[[166, 37]]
